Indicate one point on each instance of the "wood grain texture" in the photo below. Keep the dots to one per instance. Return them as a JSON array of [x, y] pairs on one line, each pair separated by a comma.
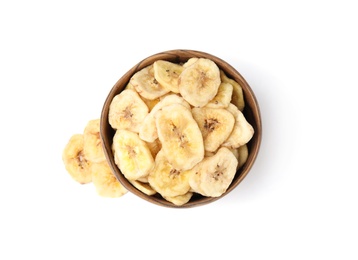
[[251, 112]]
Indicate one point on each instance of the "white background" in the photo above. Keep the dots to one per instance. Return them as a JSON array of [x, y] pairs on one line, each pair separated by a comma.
[[59, 60]]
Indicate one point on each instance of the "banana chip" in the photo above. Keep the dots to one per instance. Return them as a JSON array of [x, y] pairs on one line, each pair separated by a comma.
[[180, 135], [216, 125], [146, 84], [76, 164], [213, 175], [133, 156], [92, 146], [166, 179], [105, 182], [127, 111], [199, 82], [242, 132]]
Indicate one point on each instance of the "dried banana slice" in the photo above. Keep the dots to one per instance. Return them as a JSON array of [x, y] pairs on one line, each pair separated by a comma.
[[243, 153], [75, 161], [181, 139], [150, 103], [223, 97], [146, 84], [242, 132], [132, 155], [179, 200], [189, 62], [167, 74], [148, 129], [143, 187], [166, 179], [199, 82], [237, 94], [216, 125], [127, 111], [92, 147], [105, 183], [213, 175]]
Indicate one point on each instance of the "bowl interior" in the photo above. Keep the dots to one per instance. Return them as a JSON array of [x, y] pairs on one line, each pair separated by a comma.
[[251, 112]]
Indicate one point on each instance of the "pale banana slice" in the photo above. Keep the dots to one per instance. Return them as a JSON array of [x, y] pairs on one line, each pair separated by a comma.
[[237, 94], [148, 129], [132, 155], [167, 74], [127, 111], [189, 62], [92, 147], [75, 161], [243, 153], [166, 179], [106, 184], [150, 103], [242, 132], [181, 139], [143, 187], [213, 175], [199, 82], [223, 97], [216, 125], [179, 200], [146, 84]]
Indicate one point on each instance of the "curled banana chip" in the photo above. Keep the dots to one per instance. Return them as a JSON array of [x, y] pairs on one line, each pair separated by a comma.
[[242, 131], [237, 94]]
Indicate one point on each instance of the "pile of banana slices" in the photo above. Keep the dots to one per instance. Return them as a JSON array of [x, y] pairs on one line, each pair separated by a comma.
[[180, 130], [84, 160]]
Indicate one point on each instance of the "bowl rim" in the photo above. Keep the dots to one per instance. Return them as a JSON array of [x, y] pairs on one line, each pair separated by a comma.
[[180, 55]]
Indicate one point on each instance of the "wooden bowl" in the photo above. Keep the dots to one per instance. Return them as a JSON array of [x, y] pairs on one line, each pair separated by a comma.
[[251, 112]]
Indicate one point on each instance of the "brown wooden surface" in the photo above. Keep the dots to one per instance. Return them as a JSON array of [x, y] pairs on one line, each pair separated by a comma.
[[251, 112]]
